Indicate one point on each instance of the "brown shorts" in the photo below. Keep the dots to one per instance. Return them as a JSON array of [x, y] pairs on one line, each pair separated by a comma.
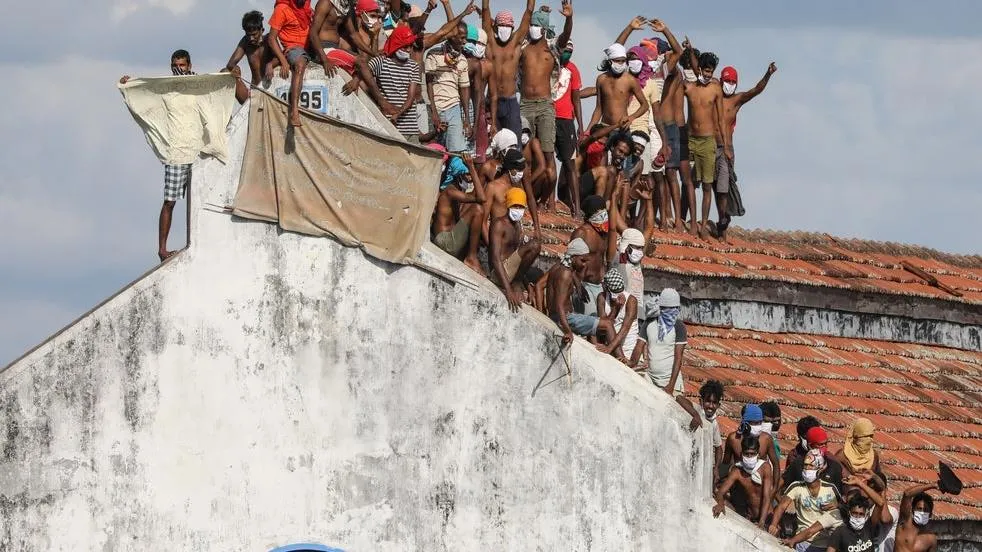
[[454, 241], [511, 266]]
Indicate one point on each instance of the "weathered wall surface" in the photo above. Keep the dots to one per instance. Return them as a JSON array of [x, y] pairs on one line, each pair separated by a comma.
[[266, 388]]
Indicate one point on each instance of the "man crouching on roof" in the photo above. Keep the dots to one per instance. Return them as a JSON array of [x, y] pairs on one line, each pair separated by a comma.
[[290, 26], [510, 252]]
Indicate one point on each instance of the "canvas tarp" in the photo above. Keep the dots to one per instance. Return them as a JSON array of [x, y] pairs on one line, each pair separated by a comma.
[[329, 178], [183, 117]]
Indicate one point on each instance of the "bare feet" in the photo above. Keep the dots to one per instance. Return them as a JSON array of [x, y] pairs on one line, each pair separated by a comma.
[[649, 243], [703, 232], [474, 265], [295, 120], [164, 255]]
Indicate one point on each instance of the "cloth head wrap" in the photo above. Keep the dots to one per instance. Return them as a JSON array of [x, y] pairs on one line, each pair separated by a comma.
[[616, 51], [456, 168], [400, 38], [614, 281], [540, 19], [472, 35], [366, 6], [576, 248], [815, 459], [504, 19], [646, 70], [438, 147], [858, 447], [503, 140], [630, 237]]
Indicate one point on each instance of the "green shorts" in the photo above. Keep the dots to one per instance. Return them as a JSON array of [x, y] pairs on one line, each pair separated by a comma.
[[702, 156], [542, 118], [455, 240]]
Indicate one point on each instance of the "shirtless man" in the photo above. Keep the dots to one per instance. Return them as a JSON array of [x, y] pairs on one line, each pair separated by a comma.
[[510, 252], [615, 87], [538, 62], [564, 282], [506, 53], [752, 425], [595, 231], [732, 102], [458, 221], [535, 176], [754, 478], [510, 173], [252, 47], [331, 17], [915, 513], [672, 114], [705, 103], [479, 70]]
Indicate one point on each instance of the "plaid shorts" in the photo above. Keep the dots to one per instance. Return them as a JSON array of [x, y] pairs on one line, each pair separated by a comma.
[[177, 178]]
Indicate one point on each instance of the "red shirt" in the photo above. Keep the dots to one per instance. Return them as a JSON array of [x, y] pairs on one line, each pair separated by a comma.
[[564, 105], [292, 23]]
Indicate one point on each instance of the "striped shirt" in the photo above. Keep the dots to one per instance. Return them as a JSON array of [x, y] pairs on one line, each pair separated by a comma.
[[394, 78]]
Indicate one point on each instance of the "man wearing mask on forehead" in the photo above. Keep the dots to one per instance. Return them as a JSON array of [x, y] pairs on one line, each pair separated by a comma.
[[538, 64], [615, 88], [705, 99], [731, 103], [505, 51]]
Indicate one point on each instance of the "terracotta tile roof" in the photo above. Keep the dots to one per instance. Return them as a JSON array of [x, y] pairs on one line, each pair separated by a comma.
[[926, 401], [806, 258]]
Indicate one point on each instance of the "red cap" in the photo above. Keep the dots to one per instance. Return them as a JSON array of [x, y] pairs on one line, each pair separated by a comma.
[[729, 74], [816, 435], [400, 38]]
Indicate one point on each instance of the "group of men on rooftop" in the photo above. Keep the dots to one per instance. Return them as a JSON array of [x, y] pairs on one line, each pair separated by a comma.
[[821, 502], [502, 102]]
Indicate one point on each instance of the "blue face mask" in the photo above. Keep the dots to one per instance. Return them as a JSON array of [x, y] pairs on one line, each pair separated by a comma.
[[388, 23]]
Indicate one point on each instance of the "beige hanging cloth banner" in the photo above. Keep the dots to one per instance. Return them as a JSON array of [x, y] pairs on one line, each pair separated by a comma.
[[329, 178]]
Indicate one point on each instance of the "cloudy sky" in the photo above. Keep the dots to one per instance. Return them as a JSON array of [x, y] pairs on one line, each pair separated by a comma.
[[869, 129]]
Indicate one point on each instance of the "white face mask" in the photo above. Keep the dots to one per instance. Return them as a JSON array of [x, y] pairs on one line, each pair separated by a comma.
[[535, 33], [635, 65], [704, 79], [600, 217], [766, 427], [466, 185], [729, 88], [504, 33], [749, 463], [525, 138], [809, 476], [516, 214], [689, 75], [857, 522], [804, 443], [756, 429], [618, 67], [402, 55], [635, 256], [921, 517], [480, 50], [516, 177], [370, 21]]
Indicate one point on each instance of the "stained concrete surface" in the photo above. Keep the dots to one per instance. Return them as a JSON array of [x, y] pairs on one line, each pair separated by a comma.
[[265, 388]]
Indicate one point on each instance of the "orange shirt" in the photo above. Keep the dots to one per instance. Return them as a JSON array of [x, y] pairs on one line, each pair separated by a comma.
[[292, 29]]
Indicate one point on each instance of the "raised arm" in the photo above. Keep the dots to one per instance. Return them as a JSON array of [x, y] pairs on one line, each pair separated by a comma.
[[759, 87], [567, 12], [523, 27], [448, 28], [486, 20], [672, 58], [907, 504], [447, 9], [635, 24]]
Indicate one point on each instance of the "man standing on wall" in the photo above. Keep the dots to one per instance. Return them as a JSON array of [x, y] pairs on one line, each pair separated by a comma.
[[566, 99], [177, 178]]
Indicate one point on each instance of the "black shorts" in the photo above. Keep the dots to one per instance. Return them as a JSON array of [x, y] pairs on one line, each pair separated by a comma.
[[565, 139], [683, 143]]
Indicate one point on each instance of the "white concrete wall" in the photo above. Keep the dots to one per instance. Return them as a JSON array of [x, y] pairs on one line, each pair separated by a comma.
[[265, 388]]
